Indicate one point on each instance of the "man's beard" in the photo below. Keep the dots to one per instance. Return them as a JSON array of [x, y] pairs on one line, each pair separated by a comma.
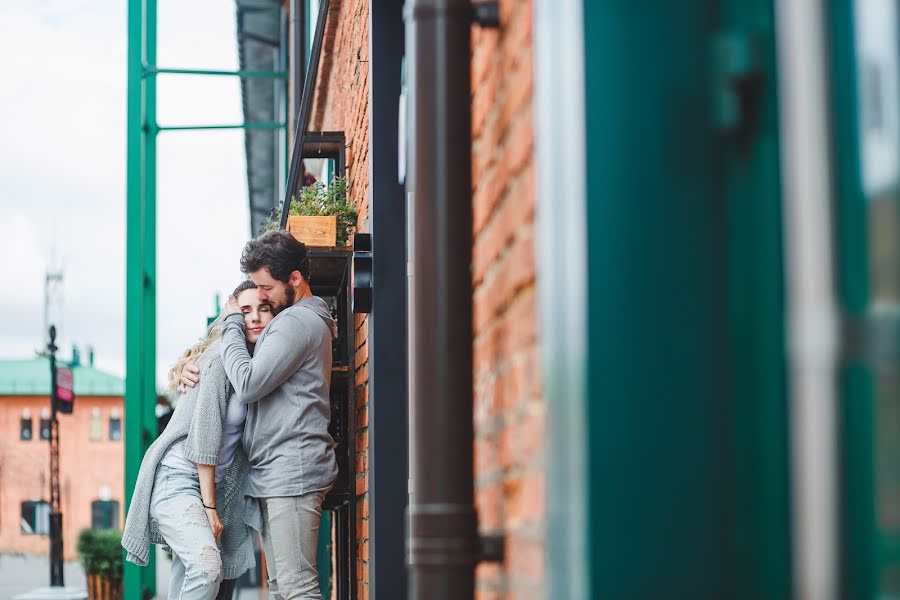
[[289, 295]]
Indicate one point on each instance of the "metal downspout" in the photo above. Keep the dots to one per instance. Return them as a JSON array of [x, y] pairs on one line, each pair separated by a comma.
[[442, 545]]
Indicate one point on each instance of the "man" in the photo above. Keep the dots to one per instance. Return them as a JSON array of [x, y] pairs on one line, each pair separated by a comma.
[[285, 385]]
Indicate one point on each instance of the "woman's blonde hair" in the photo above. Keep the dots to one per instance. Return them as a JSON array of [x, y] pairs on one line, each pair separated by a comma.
[[213, 334]]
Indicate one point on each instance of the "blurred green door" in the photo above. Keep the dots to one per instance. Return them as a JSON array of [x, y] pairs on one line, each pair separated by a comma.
[[686, 402], [866, 166]]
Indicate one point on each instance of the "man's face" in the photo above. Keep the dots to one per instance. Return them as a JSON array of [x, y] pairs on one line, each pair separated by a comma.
[[276, 293]]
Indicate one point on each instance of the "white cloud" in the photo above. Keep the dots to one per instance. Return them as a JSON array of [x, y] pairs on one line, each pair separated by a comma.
[[62, 172]]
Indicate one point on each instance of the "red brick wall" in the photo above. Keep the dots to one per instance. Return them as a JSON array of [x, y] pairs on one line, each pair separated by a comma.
[[84, 467], [510, 414], [341, 103]]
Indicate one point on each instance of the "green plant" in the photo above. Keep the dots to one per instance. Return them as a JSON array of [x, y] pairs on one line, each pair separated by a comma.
[[101, 552], [320, 200]]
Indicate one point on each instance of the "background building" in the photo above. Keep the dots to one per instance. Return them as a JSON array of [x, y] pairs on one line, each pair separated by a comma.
[[92, 456]]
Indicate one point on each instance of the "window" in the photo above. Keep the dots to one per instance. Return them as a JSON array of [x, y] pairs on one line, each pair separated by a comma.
[[115, 425], [35, 517], [45, 424], [105, 514], [96, 425], [25, 426]]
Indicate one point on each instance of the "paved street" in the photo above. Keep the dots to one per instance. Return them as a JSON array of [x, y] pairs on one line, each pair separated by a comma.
[[23, 573]]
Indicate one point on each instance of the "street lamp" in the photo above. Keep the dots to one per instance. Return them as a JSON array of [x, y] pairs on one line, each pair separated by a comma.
[[56, 541]]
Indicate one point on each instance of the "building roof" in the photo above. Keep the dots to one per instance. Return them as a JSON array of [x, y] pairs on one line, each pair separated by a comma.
[[31, 377], [259, 48]]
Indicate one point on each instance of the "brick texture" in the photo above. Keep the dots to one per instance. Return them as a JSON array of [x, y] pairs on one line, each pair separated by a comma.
[[86, 468], [509, 410]]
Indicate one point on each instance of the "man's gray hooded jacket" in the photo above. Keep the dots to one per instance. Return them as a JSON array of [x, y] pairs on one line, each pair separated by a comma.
[[286, 387]]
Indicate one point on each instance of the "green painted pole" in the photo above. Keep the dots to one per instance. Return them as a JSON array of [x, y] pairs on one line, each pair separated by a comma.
[[323, 554], [659, 471], [140, 334], [858, 378], [159, 128], [758, 365], [150, 71]]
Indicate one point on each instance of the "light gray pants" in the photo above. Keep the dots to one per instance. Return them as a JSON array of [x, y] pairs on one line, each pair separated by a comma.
[[290, 539], [178, 509]]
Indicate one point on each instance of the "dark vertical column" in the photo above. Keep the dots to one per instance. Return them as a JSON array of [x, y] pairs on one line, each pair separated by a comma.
[[442, 542], [387, 325], [56, 531]]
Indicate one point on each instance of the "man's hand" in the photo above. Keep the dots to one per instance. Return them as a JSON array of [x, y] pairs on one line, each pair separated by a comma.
[[231, 307], [190, 376]]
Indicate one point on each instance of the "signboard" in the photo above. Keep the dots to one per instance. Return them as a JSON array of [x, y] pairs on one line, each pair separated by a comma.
[[65, 390]]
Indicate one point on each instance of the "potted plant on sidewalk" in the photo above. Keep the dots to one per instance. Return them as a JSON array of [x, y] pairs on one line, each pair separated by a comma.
[[101, 556], [320, 214]]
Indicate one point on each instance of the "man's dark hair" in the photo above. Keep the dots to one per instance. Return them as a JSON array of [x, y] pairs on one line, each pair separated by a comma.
[[277, 251]]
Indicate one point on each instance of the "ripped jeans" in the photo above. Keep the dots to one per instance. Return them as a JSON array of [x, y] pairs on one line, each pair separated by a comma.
[[177, 506]]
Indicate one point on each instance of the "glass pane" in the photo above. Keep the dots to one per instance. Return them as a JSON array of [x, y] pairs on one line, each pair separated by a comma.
[[884, 251], [318, 170], [887, 449], [115, 429], [890, 582], [878, 88], [42, 518], [877, 74], [96, 427]]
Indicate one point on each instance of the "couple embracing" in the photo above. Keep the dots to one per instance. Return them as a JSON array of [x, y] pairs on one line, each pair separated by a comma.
[[247, 447]]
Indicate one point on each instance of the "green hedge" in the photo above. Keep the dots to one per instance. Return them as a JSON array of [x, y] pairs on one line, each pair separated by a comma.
[[101, 552]]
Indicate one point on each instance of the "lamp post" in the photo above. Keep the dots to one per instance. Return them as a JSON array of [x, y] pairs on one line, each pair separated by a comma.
[[56, 542]]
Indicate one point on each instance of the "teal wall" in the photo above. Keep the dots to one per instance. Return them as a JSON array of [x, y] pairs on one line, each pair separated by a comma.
[[687, 426]]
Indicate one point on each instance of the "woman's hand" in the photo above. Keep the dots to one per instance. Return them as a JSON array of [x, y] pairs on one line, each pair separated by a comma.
[[231, 307], [214, 522], [190, 376], [207, 476]]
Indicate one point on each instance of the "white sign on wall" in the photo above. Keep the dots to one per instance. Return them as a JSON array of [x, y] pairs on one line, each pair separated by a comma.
[[879, 94]]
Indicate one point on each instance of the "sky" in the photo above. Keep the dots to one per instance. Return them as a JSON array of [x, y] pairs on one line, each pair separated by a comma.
[[62, 174]]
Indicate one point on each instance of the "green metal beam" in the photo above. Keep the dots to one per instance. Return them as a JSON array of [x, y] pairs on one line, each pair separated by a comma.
[[140, 342], [149, 71], [207, 127], [324, 551], [758, 404], [140, 326], [858, 381]]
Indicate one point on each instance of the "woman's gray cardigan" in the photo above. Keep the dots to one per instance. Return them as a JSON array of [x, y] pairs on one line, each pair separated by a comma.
[[198, 420]]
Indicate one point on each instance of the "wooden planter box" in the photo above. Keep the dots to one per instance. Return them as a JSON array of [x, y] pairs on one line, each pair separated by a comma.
[[100, 587], [314, 231]]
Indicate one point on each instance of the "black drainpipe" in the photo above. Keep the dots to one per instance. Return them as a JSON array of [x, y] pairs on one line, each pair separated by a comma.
[[442, 545]]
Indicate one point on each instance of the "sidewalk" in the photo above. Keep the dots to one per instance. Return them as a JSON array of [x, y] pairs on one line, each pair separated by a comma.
[[21, 573]]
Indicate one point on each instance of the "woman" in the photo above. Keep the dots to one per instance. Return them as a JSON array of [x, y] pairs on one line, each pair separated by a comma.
[[190, 489]]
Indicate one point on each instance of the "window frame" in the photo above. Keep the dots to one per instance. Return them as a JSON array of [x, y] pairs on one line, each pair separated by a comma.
[[26, 424], [113, 518], [36, 529]]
